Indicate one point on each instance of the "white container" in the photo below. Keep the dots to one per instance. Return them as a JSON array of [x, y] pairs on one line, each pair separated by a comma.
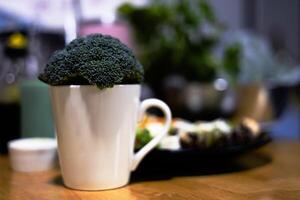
[[96, 133], [32, 154]]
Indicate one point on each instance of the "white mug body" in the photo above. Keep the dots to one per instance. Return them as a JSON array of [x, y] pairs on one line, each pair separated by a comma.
[[96, 133]]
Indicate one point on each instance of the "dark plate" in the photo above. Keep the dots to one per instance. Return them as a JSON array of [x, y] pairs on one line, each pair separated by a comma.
[[189, 156], [167, 164]]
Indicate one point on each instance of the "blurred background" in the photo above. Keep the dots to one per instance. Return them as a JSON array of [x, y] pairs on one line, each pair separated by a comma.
[[207, 59]]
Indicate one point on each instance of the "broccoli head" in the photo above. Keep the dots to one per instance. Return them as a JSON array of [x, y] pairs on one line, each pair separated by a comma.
[[93, 60]]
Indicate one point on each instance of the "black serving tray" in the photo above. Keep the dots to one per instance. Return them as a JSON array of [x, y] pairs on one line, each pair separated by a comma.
[[168, 164], [190, 156]]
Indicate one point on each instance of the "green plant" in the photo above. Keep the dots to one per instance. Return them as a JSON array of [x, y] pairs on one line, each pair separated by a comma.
[[93, 60], [178, 36], [231, 61]]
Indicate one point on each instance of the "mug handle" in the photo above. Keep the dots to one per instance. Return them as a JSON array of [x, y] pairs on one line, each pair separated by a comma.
[[138, 157]]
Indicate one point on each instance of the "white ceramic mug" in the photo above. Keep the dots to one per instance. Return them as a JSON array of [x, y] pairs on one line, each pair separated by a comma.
[[96, 133]]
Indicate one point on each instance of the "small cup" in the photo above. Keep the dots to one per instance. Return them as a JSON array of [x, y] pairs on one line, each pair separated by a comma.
[[32, 154]]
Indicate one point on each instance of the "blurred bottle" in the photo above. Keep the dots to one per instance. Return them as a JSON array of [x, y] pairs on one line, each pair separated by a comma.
[[13, 55], [36, 115]]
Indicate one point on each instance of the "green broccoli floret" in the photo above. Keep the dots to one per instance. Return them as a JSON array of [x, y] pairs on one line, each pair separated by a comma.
[[143, 136], [93, 60]]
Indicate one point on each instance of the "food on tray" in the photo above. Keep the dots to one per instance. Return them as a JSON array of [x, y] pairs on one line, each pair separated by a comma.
[[205, 134], [143, 136], [170, 142], [199, 135], [151, 126]]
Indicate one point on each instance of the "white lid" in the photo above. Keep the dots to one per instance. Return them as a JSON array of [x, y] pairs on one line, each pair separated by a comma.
[[30, 144]]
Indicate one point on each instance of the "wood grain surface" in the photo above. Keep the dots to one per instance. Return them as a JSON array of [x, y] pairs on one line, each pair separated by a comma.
[[272, 172]]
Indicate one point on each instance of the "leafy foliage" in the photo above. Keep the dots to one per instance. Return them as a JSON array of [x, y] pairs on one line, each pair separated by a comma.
[[231, 60], [177, 36]]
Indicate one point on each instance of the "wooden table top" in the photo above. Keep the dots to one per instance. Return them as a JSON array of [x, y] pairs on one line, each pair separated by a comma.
[[272, 172]]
